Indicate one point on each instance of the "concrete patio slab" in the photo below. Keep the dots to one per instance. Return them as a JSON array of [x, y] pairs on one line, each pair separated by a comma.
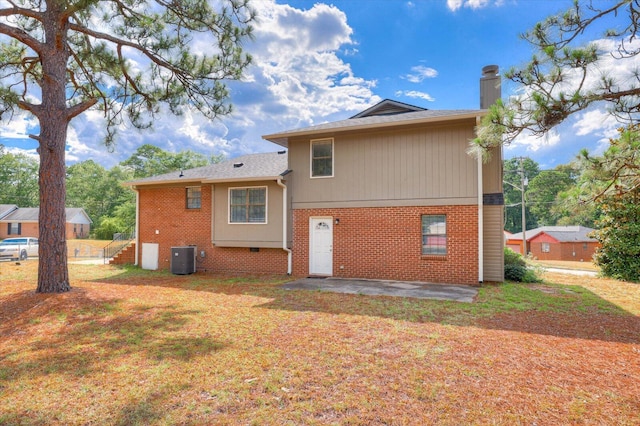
[[458, 293]]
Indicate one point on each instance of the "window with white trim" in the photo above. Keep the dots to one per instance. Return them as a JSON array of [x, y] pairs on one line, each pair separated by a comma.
[[194, 197], [545, 247], [322, 158], [434, 234], [248, 205]]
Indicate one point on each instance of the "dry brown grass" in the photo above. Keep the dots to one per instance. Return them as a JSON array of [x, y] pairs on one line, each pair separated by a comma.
[[564, 264], [131, 347]]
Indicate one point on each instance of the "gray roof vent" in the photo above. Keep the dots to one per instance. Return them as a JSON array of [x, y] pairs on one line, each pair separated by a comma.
[[282, 152], [237, 165]]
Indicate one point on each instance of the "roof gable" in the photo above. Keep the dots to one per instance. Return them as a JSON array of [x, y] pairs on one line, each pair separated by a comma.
[[388, 107]]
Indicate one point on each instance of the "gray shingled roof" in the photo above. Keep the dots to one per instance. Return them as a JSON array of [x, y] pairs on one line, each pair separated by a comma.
[[30, 214], [564, 234], [265, 166], [376, 121]]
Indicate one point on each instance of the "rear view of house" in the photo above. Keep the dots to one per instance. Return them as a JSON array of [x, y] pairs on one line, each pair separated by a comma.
[[392, 193]]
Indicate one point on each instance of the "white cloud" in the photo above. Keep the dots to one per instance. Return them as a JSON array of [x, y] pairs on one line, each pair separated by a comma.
[[415, 94], [532, 143], [454, 5], [419, 73], [297, 79], [20, 126]]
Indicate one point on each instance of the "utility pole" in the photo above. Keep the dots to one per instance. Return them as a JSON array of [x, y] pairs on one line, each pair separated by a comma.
[[523, 184], [524, 217]]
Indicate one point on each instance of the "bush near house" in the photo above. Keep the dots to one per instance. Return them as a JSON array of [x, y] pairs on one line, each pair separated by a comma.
[[516, 269]]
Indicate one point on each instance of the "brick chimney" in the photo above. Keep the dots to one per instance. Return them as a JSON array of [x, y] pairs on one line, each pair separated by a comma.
[[490, 86]]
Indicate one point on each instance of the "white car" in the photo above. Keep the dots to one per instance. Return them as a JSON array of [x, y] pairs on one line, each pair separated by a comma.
[[19, 248]]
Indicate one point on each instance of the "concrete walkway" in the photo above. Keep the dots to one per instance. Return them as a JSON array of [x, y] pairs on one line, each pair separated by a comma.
[[458, 293]]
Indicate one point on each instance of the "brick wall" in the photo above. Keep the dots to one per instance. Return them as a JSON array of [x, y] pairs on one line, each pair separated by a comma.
[[564, 251], [164, 210], [32, 229], [386, 243]]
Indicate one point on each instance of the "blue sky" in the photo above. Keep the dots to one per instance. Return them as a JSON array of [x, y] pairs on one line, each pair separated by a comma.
[[317, 62]]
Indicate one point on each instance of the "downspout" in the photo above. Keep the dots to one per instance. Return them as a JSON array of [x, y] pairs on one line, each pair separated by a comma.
[[135, 262], [284, 221], [480, 219]]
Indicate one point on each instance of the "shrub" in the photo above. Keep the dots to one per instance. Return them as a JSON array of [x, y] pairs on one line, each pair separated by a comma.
[[515, 268], [514, 272]]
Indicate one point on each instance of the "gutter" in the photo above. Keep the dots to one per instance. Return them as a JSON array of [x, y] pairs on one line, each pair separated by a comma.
[[284, 220], [480, 219], [135, 189]]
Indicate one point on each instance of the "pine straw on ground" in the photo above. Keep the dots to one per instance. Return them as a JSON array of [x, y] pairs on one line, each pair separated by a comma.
[[132, 347]]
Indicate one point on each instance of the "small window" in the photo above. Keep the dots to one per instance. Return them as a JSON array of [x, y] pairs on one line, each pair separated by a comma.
[[322, 158], [193, 197], [584, 246], [545, 247], [434, 234], [14, 228], [248, 205]]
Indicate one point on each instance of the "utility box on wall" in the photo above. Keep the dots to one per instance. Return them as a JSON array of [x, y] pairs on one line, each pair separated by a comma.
[[183, 260]]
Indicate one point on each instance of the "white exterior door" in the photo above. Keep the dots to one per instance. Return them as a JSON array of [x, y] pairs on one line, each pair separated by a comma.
[[321, 246]]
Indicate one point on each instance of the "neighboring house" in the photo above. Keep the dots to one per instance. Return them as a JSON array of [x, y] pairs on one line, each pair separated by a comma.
[[24, 222], [233, 212], [392, 193], [557, 243]]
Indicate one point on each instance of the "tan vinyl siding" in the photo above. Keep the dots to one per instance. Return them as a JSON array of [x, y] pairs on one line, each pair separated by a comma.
[[492, 173], [419, 166], [247, 234], [493, 243]]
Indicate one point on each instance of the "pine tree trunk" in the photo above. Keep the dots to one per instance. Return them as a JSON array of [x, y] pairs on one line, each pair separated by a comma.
[[53, 274]]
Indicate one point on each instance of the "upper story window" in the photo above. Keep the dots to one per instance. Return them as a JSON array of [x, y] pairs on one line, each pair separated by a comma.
[[248, 205], [194, 197], [322, 158], [434, 234]]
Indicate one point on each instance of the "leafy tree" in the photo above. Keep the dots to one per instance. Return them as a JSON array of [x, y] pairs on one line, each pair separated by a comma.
[[513, 195], [615, 181], [128, 59], [619, 236], [542, 192], [18, 179], [565, 77], [149, 160]]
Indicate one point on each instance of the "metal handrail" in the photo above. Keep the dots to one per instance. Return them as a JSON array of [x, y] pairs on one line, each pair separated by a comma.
[[120, 241]]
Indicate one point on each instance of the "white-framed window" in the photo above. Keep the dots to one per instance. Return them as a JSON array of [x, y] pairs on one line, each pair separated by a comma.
[[434, 234], [194, 197], [248, 205], [545, 247], [321, 158]]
